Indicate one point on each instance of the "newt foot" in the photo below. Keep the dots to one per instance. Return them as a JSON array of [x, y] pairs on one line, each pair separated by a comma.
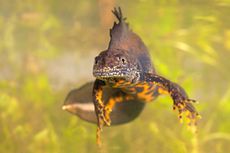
[[186, 109]]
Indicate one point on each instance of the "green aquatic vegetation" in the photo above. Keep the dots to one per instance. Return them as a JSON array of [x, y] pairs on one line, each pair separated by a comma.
[[188, 42]]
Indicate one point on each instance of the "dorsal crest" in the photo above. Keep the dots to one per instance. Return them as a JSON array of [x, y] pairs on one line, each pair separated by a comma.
[[120, 31]]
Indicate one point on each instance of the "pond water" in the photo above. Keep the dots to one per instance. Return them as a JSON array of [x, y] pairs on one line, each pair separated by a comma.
[[48, 47]]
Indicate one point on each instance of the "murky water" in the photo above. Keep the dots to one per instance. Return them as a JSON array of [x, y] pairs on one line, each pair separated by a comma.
[[47, 48]]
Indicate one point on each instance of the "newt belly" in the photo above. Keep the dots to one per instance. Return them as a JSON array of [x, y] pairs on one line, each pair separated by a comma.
[[144, 91]]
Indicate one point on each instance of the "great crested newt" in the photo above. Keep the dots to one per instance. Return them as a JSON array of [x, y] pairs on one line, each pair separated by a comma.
[[126, 65]]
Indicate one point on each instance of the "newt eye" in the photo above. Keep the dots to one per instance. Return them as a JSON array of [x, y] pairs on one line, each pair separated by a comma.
[[96, 61], [123, 60]]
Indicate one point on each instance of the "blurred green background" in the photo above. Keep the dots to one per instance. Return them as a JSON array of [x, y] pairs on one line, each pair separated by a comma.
[[47, 47]]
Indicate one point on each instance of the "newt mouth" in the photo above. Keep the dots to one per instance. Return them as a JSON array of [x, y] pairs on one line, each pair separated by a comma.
[[111, 74], [114, 74]]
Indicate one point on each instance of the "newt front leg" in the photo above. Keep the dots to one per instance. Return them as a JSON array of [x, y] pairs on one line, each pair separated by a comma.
[[100, 109], [181, 102]]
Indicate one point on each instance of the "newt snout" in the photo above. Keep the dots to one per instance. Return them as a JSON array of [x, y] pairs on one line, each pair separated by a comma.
[[115, 64]]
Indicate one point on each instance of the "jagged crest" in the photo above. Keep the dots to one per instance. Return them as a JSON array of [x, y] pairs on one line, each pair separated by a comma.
[[118, 14], [120, 30]]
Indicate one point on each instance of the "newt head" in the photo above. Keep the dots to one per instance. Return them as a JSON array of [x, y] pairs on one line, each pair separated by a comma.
[[119, 61], [116, 65], [126, 58]]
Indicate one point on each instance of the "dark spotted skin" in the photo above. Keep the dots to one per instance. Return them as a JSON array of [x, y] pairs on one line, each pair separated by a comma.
[[126, 65]]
